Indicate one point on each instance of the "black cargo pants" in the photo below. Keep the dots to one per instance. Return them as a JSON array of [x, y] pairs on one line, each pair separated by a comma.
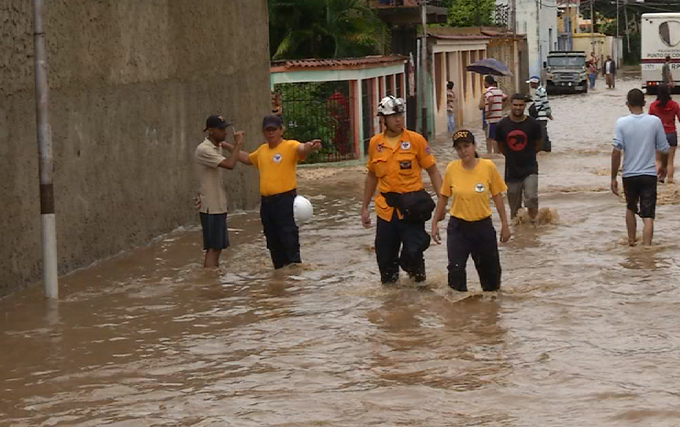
[[283, 241], [477, 238], [411, 238]]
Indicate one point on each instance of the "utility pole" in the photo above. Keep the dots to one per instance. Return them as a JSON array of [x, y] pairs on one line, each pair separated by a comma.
[[514, 18], [46, 162], [625, 18], [423, 66], [592, 26], [617, 35]]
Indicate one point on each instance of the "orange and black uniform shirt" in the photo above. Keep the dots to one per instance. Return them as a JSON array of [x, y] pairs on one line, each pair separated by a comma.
[[397, 163]]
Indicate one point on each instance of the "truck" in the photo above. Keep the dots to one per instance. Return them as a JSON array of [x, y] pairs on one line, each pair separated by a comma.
[[660, 38], [566, 70]]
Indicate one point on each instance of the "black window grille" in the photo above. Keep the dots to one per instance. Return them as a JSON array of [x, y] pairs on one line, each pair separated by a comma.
[[319, 110]]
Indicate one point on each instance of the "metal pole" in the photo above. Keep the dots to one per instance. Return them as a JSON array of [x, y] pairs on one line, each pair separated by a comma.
[[617, 35], [423, 66], [625, 18], [514, 18], [46, 163], [592, 26]]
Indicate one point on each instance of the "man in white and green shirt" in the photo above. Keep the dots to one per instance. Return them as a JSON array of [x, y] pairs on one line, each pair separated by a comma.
[[543, 112]]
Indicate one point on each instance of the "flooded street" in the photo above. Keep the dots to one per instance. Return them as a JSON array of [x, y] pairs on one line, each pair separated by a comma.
[[584, 332]]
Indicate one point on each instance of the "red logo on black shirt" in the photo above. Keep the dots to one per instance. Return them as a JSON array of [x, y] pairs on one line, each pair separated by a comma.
[[516, 140]]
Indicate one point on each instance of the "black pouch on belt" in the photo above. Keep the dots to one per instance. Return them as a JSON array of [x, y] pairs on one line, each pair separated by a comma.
[[415, 206]]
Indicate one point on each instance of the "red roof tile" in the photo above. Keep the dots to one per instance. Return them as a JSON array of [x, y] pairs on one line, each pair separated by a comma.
[[458, 36], [340, 62]]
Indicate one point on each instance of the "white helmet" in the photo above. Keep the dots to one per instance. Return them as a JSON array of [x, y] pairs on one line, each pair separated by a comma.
[[391, 105], [302, 210]]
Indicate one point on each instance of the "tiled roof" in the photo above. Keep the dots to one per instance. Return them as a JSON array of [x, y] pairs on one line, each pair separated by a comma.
[[475, 33], [503, 34], [450, 33], [458, 36], [365, 62]]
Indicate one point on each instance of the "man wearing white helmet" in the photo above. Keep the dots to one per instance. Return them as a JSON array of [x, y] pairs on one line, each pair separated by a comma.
[[396, 158]]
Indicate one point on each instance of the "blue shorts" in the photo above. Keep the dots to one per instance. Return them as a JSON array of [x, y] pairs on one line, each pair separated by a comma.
[[672, 138], [491, 131], [215, 231]]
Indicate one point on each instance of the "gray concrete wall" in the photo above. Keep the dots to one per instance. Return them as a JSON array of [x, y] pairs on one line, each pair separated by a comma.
[[131, 83]]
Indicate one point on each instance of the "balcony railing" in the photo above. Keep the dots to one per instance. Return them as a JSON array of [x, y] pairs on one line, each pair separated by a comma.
[[408, 11]]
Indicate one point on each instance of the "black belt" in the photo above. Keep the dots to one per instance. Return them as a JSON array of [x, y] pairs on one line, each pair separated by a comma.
[[273, 197]]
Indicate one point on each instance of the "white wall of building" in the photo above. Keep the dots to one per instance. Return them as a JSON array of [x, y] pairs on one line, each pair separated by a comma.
[[538, 20]]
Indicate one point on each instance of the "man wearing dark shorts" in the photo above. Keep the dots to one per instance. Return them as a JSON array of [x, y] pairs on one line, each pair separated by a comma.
[[519, 138], [212, 199], [639, 136]]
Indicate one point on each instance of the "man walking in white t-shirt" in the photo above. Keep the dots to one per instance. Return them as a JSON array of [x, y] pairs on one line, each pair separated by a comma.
[[492, 104], [639, 136]]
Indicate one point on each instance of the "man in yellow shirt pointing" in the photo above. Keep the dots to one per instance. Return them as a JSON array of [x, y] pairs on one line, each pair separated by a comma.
[[276, 160], [396, 158]]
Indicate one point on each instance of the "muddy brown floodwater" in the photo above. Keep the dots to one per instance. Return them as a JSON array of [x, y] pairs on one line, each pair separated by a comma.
[[584, 332]]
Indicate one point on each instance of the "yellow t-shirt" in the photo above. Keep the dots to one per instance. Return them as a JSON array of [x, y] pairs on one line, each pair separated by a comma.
[[472, 189], [277, 166], [392, 141]]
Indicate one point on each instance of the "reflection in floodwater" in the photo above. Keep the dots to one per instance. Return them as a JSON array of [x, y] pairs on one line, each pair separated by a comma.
[[584, 331]]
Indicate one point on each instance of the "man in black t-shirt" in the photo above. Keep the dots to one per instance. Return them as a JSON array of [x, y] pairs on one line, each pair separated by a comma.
[[519, 138]]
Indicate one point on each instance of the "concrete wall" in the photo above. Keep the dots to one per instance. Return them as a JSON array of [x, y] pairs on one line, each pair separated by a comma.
[[131, 85], [603, 45]]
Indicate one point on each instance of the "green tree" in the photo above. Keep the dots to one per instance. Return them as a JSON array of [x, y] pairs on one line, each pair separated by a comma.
[[324, 29], [471, 13]]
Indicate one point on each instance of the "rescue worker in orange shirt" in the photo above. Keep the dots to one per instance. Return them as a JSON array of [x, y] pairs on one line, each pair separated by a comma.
[[396, 158]]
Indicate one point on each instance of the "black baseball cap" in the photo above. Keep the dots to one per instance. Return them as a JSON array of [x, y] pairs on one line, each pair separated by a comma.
[[216, 122], [463, 136], [272, 121]]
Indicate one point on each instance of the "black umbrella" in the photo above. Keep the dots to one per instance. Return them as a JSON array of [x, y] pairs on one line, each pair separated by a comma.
[[490, 66]]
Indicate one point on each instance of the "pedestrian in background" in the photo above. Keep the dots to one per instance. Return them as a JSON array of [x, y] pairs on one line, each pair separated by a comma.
[[541, 110], [212, 198], [609, 71], [639, 136], [592, 73], [492, 105], [451, 107], [276, 162], [667, 110], [395, 162], [594, 59], [471, 182], [277, 104]]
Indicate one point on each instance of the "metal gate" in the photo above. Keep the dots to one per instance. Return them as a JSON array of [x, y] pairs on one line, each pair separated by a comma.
[[319, 110]]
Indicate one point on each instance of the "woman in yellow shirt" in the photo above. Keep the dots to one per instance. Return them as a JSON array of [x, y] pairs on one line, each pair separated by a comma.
[[472, 182]]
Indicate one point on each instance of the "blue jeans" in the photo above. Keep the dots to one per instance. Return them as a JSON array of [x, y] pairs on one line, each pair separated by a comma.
[[592, 78], [451, 125]]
